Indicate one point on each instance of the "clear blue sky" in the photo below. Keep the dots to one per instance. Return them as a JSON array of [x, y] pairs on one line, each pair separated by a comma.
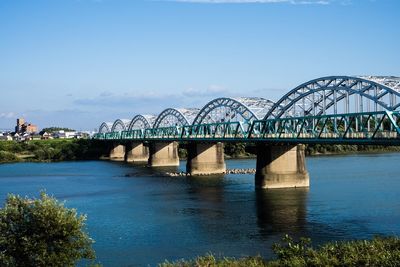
[[77, 63]]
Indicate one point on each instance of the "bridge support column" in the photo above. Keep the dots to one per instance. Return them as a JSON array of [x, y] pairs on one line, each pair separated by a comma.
[[163, 154], [281, 166], [117, 152], [137, 153], [205, 159]]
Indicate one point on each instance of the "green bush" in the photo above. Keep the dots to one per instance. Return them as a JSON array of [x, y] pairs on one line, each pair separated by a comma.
[[42, 232], [376, 252], [54, 150], [235, 149], [6, 156], [182, 153], [211, 261], [313, 149], [11, 146]]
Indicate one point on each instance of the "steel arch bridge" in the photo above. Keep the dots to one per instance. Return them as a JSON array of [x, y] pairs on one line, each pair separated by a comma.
[[334, 109], [323, 95]]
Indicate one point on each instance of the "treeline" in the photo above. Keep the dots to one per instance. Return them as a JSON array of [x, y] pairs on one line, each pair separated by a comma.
[[240, 150], [52, 150], [316, 149], [56, 129], [87, 149], [232, 150]]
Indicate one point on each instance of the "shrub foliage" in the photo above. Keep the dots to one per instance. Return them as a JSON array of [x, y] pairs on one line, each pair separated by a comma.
[[380, 251], [53, 150], [42, 232]]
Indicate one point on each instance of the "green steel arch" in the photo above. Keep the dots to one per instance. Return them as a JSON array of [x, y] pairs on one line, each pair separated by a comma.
[[141, 122], [175, 117], [105, 127], [120, 125], [226, 109], [322, 96]]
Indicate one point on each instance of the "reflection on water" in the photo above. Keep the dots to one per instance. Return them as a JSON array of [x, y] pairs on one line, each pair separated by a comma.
[[281, 210], [138, 217], [208, 189]]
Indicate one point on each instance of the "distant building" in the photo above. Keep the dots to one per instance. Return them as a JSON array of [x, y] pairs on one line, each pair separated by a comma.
[[46, 135], [5, 137], [64, 134], [20, 137], [20, 125], [24, 127], [34, 137]]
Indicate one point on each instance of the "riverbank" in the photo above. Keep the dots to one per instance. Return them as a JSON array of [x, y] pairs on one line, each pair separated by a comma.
[[380, 251], [249, 150], [51, 150], [86, 149]]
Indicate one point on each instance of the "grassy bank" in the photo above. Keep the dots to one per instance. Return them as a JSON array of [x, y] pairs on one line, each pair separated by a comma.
[[86, 149], [377, 252], [347, 149], [51, 150], [249, 150]]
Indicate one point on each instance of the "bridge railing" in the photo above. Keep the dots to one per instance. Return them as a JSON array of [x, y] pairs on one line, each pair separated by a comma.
[[133, 134], [367, 125], [221, 130], [113, 136], [352, 126], [100, 136]]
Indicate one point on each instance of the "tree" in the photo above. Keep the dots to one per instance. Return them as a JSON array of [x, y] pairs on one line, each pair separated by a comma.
[[42, 232], [56, 129]]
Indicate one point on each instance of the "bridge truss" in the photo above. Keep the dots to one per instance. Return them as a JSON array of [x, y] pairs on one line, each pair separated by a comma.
[[381, 127], [335, 109]]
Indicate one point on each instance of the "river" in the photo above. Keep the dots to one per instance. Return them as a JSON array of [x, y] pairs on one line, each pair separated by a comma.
[[137, 219]]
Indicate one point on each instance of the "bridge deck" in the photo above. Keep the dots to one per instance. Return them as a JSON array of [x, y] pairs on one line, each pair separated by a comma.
[[372, 128]]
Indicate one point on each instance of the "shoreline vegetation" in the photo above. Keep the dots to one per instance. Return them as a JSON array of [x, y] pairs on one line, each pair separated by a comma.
[[380, 251], [56, 150], [53, 150]]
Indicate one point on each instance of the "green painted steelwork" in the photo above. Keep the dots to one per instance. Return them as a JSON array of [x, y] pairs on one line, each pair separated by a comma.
[[381, 127]]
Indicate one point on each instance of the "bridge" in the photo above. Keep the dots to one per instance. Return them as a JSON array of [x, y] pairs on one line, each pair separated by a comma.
[[327, 110]]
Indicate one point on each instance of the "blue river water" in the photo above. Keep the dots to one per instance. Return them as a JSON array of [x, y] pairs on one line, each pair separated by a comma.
[[138, 220]]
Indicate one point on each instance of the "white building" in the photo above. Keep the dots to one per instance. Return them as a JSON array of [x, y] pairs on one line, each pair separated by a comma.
[[5, 137], [64, 135]]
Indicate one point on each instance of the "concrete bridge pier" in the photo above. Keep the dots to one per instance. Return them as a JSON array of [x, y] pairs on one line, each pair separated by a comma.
[[205, 158], [137, 153], [117, 152], [163, 154], [281, 166]]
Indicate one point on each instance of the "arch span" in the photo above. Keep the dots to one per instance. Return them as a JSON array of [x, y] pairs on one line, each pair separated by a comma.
[[120, 125], [105, 127], [224, 109], [175, 117], [323, 95], [141, 122]]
